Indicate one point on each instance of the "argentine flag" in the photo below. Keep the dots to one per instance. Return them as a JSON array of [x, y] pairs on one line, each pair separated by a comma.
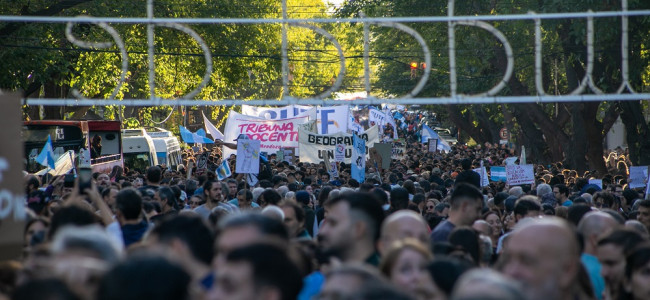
[[223, 171], [428, 133], [46, 158], [197, 137]]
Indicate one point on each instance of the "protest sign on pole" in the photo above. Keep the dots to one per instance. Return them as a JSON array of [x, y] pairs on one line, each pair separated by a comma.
[[398, 149], [638, 176], [339, 153], [313, 146], [12, 198], [248, 157], [358, 159], [272, 134], [520, 174], [433, 145]]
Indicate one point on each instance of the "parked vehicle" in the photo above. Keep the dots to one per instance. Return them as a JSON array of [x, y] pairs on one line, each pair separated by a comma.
[[168, 149], [74, 135], [139, 150]]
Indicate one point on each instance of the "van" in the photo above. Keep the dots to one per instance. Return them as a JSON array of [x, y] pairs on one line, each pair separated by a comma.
[[138, 149], [168, 149]]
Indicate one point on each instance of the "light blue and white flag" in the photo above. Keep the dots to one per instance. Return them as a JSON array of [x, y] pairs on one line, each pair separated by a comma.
[[498, 174], [223, 171], [358, 171], [428, 133], [46, 158], [197, 137]]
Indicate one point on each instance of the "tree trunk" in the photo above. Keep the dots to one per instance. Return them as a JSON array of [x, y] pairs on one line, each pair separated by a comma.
[[637, 132]]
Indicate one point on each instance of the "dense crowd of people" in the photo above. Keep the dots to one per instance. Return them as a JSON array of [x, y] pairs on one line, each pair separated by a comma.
[[423, 229]]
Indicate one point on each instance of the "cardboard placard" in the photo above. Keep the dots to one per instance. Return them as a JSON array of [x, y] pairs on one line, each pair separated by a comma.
[[12, 199], [638, 176], [248, 157], [385, 151], [520, 174]]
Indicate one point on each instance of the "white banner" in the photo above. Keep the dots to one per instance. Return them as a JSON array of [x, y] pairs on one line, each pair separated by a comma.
[[331, 119], [380, 118], [313, 146], [272, 134]]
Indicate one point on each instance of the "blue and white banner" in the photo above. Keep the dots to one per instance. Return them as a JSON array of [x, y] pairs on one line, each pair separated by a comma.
[[428, 133], [358, 159], [330, 119]]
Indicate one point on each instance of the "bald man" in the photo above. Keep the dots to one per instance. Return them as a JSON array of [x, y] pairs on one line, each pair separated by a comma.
[[400, 225], [544, 256], [482, 227], [593, 226]]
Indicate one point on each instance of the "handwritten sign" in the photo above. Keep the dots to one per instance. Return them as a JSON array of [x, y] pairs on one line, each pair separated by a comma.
[[520, 174]]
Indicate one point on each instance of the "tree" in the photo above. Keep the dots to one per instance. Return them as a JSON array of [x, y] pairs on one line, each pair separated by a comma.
[[559, 132]]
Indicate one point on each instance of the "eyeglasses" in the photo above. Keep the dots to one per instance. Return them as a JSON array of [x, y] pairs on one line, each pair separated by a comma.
[[430, 207]]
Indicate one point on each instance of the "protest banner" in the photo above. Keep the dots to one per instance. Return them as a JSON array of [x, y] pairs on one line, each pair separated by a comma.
[[330, 119], [598, 182], [272, 134], [248, 157], [380, 118], [12, 198], [520, 174], [638, 176], [498, 174], [314, 146], [358, 159]]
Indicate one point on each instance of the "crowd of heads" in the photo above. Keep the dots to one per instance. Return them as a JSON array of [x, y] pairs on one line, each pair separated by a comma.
[[423, 229]]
